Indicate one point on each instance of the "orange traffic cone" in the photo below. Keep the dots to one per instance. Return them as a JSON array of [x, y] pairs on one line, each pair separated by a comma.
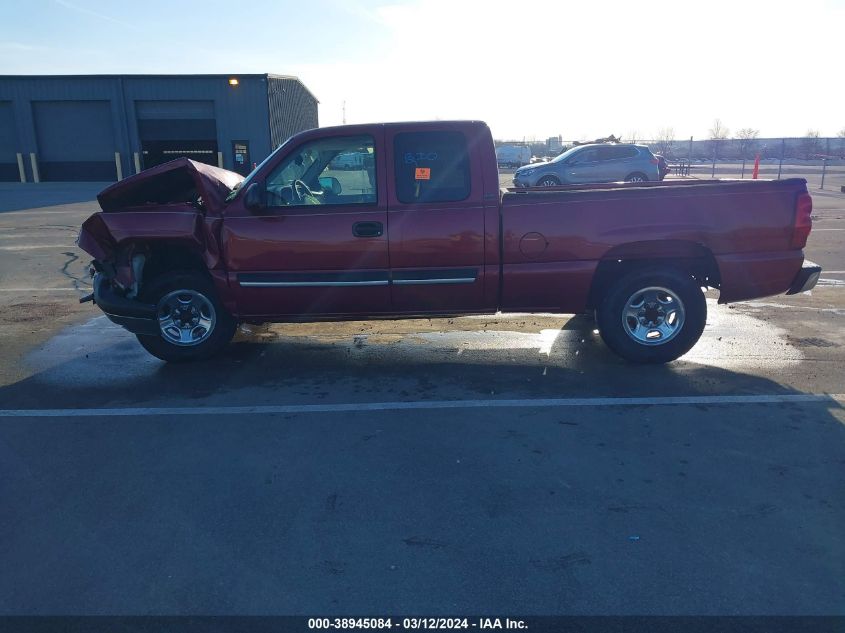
[[756, 171]]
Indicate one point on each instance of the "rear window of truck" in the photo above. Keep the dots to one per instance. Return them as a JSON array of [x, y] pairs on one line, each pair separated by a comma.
[[431, 167]]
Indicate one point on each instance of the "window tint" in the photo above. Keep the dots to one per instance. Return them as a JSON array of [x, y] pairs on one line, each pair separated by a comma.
[[616, 152], [431, 167], [625, 152], [606, 153], [585, 156], [336, 170]]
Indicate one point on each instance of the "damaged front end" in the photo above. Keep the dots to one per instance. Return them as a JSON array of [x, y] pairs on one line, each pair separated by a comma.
[[117, 271], [162, 219], [135, 316]]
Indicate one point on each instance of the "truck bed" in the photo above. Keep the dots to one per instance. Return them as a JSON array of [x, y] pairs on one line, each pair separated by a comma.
[[745, 226]]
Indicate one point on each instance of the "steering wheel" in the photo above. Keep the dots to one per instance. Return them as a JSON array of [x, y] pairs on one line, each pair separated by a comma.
[[300, 190]]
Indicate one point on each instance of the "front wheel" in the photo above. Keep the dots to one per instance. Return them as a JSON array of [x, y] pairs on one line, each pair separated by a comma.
[[653, 315], [548, 181], [192, 323]]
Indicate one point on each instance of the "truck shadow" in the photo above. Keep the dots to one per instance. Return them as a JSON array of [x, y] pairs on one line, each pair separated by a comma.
[[97, 363]]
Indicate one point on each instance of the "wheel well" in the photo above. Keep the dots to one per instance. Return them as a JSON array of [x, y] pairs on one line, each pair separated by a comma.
[[167, 256], [702, 267]]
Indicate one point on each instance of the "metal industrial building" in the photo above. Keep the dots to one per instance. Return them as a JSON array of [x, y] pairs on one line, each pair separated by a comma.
[[106, 127]]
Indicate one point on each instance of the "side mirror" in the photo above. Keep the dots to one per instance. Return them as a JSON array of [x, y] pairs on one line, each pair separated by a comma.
[[331, 185], [254, 197]]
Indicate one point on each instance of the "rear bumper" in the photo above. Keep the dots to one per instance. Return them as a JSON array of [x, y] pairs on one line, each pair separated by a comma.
[[745, 276], [137, 317], [806, 278]]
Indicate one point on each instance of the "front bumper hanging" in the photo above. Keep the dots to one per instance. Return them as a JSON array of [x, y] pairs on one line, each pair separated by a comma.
[[137, 317]]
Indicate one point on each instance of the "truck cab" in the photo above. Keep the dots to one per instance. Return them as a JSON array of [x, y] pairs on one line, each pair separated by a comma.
[[401, 231]]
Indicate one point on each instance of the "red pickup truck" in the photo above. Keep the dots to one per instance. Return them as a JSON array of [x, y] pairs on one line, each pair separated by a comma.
[[408, 220]]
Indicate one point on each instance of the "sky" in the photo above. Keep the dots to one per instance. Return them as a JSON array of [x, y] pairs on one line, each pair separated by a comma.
[[531, 69]]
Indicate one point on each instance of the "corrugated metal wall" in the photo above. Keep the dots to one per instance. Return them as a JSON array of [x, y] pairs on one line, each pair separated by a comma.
[[259, 112], [8, 143], [238, 112], [22, 91], [170, 129], [75, 140], [292, 109]]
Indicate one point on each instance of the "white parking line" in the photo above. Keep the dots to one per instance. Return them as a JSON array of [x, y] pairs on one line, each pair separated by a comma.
[[351, 407], [40, 290], [29, 212], [29, 248]]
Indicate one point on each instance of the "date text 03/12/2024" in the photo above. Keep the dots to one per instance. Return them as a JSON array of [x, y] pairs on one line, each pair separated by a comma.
[[416, 623]]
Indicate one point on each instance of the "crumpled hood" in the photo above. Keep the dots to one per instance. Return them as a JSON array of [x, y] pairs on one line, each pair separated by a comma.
[[177, 181]]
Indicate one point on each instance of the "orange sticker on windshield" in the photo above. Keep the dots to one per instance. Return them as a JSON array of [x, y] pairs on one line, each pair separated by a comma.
[[422, 173]]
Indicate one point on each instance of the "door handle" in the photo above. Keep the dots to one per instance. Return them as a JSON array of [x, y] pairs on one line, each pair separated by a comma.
[[368, 229]]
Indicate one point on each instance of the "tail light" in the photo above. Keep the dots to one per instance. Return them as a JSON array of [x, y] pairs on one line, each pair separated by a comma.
[[803, 221]]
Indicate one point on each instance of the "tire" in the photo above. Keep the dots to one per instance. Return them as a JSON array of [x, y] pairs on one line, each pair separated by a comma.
[[635, 317], [636, 177], [548, 181], [203, 326]]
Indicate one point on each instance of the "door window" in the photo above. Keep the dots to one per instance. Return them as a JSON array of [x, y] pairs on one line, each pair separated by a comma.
[[585, 156], [328, 171], [616, 152], [431, 167]]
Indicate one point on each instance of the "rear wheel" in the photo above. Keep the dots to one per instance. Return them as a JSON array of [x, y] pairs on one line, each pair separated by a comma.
[[652, 315], [548, 181], [636, 177], [192, 323]]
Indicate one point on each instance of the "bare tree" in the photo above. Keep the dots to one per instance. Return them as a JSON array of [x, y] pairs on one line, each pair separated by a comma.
[[747, 137], [633, 137], [811, 144], [718, 132], [664, 140], [841, 133]]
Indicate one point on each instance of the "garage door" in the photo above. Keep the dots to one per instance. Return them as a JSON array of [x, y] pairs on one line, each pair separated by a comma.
[[8, 144], [171, 129], [75, 140]]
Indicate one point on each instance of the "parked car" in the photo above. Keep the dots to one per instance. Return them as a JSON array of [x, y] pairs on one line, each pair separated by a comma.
[[512, 156], [611, 162], [184, 251]]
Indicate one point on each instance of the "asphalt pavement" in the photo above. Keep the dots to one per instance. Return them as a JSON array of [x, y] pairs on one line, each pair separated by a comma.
[[499, 464]]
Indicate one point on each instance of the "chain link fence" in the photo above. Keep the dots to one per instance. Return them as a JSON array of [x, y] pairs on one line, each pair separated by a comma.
[[819, 160]]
